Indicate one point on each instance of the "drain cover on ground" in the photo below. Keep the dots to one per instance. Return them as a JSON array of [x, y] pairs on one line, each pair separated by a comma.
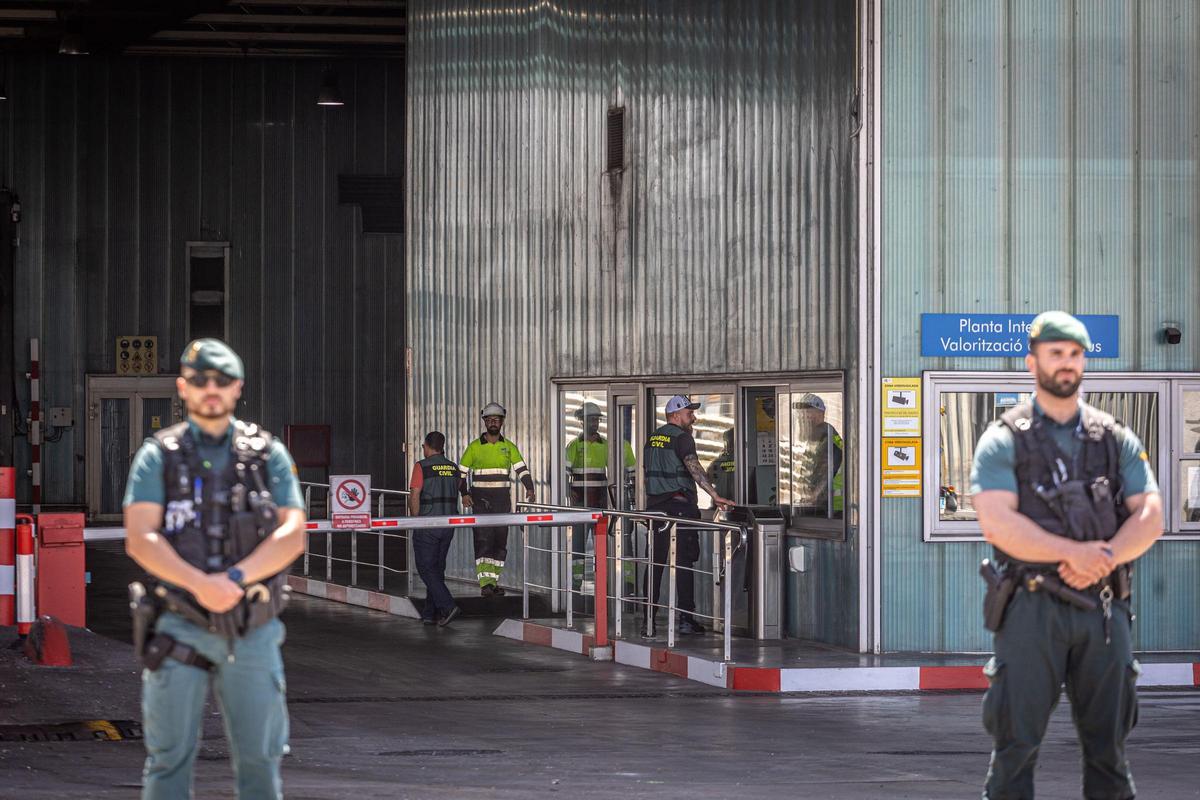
[[445, 752], [91, 730]]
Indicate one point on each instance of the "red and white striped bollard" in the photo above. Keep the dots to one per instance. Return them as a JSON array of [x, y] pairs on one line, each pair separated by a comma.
[[26, 612], [8, 545]]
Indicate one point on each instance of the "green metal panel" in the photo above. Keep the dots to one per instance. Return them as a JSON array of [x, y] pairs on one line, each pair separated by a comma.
[[1036, 154]]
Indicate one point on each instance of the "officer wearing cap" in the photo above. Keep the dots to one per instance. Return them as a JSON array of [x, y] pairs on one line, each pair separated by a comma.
[[672, 472], [213, 512], [1068, 619]]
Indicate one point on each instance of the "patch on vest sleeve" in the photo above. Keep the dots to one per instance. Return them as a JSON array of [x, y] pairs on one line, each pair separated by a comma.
[[1142, 455], [179, 514]]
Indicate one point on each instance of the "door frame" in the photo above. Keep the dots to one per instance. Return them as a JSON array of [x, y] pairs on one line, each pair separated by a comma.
[[646, 387], [132, 388]]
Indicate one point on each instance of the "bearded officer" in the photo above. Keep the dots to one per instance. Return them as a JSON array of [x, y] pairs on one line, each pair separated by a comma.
[[213, 512], [1066, 495], [673, 473], [487, 464]]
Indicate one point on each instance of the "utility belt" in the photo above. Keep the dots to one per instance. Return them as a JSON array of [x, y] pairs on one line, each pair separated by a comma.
[[1003, 582], [262, 603]]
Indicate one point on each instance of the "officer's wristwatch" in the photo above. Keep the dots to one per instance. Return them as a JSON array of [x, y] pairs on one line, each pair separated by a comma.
[[236, 575]]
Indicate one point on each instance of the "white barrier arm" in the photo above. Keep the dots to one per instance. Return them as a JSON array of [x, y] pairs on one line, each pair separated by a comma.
[[411, 523]]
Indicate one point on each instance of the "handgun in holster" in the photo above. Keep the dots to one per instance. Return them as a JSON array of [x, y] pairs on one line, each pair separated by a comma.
[[1000, 589], [145, 611]]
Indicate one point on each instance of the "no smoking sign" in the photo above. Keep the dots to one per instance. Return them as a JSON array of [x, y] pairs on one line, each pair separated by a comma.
[[348, 506]]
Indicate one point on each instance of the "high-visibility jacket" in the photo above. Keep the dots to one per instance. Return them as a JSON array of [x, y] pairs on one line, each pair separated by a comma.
[[488, 464], [587, 463]]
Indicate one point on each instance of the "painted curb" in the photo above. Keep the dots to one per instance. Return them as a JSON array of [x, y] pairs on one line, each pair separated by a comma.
[[392, 604], [777, 679], [546, 636]]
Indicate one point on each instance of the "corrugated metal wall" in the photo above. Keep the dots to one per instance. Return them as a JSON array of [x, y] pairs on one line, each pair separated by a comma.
[[120, 162], [1036, 154], [727, 245]]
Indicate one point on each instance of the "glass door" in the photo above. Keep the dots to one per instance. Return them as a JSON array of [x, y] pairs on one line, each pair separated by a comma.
[[625, 444], [760, 480], [122, 413], [713, 431], [115, 429], [811, 456]]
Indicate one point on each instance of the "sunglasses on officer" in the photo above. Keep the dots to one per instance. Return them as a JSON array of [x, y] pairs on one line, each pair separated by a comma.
[[201, 379]]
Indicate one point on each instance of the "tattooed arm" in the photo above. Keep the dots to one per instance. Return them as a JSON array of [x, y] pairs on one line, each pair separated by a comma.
[[692, 462]]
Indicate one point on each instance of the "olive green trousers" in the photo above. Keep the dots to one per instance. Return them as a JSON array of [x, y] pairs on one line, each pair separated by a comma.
[[1043, 644]]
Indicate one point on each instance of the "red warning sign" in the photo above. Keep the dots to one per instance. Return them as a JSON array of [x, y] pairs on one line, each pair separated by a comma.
[[351, 494], [349, 504]]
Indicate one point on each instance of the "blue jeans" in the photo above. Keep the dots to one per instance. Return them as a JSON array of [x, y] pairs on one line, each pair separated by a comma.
[[251, 694], [430, 548]]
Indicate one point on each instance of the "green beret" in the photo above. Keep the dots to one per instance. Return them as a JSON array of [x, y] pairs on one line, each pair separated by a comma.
[[1059, 326], [205, 354]]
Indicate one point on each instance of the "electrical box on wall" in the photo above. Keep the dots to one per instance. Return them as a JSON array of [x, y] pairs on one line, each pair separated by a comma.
[[137, 355]]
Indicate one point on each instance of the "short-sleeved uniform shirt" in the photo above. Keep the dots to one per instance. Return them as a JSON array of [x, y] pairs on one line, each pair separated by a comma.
[[146, 484], [995, 465], [684, 445]]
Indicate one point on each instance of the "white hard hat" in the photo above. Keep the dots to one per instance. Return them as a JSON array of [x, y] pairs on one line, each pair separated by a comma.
[[493, 410]]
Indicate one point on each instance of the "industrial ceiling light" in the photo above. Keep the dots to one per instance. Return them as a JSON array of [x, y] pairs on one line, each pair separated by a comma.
[[329, 94], [72, 44]]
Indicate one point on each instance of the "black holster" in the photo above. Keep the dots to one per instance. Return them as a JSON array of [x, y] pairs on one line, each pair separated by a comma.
[[1000, 589], [1122, 581], [144, 610]]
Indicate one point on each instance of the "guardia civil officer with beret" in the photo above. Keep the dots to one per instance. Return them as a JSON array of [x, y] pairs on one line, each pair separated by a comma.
[[213, 512], [1066, 496]]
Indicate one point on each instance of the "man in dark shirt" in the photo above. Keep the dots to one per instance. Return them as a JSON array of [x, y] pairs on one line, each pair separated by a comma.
[[672, 472], [434, 488]]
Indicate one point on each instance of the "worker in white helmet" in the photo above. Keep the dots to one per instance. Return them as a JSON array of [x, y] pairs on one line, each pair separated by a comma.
[[488, 464]]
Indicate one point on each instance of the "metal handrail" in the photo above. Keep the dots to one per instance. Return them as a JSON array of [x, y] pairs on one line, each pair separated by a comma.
[[727, 552], [308, 487]]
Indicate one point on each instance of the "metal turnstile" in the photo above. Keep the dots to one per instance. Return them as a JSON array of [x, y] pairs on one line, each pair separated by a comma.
[[759, 574]]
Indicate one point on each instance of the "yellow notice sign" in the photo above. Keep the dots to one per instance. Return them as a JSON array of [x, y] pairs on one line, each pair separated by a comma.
[[900, 418], [902, 407], [901, 466]]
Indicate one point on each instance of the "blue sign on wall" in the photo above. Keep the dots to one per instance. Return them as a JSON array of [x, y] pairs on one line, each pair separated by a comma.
[[1005, 335]]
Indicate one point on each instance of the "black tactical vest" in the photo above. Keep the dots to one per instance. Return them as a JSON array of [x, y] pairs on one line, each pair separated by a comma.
[[439, 486], [1041, 463], [215, 519]]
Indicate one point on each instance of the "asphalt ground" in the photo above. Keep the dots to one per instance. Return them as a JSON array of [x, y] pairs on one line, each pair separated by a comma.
[[383, 707]]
